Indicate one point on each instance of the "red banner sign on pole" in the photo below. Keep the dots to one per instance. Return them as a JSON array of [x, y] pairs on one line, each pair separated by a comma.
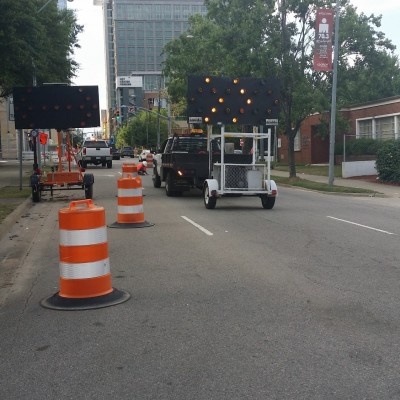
[[323, 40]]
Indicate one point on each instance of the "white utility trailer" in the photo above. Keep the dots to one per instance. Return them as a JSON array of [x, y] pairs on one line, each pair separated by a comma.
[[240, 174]]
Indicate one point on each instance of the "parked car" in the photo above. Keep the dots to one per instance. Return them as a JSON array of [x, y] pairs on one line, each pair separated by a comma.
[[127, 151], [143, 154]]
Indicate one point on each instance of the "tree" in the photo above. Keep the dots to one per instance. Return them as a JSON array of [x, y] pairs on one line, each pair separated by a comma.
[[256, 38], [36, 46], [141, 130]]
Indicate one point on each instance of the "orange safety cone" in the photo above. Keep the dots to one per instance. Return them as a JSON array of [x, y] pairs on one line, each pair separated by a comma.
[[130, 204], [149, 160], [85, 278], [129, 168]]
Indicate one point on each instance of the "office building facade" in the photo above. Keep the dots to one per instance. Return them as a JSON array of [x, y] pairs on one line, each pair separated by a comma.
[[136, 32]]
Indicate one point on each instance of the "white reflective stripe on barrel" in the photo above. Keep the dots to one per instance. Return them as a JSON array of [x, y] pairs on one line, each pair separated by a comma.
[[85, 270], [129, 192], [83, 237], [130, 209]]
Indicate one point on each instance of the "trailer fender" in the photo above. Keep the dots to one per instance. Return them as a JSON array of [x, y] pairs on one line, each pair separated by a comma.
[[212, 186], [271, 188]]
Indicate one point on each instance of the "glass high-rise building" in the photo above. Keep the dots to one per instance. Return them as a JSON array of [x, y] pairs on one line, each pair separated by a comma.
[[136, 32]]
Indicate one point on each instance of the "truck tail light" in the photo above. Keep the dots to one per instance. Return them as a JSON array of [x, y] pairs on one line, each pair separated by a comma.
[[84, 151]]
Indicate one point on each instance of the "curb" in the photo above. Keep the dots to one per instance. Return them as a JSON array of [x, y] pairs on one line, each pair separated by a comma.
[[12, 218], [354, 194]]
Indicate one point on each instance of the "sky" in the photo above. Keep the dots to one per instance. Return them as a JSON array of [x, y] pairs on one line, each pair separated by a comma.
[[91, 56]]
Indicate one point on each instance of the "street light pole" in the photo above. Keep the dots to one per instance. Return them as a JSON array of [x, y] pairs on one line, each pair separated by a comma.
[[332, 132]]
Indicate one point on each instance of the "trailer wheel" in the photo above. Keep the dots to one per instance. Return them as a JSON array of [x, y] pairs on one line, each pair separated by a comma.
[[267, 202], [88, 181], [156, 180], [209, 201], [35, 185], [89, 191], [36, 194]]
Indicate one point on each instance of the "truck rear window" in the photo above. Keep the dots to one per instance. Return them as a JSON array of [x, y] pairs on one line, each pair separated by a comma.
[[94, 144], [190, 144]]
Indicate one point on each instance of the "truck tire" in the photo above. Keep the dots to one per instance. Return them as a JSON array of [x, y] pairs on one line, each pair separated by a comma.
[[169, 185], [267, 202], [209, 201], [109, 164]]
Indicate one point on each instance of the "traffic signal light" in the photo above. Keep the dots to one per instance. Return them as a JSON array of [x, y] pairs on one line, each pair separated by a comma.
[[117, 116], [248, 101]]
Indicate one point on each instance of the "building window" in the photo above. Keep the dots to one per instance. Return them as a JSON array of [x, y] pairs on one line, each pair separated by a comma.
[[365, 128], [384, 128], [378, 128]]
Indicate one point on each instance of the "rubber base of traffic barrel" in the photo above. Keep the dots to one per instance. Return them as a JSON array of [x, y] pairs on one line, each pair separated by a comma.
[[56, 302], [144, 224]]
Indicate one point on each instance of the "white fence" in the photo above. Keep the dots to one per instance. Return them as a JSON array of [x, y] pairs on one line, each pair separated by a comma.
[[358, 168]]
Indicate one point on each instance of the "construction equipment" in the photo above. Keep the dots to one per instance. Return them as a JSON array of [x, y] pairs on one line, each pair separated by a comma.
[[240, 174], [61, 178]]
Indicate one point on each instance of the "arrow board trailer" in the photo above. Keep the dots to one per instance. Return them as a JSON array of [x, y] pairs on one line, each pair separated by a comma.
[[240, 174]]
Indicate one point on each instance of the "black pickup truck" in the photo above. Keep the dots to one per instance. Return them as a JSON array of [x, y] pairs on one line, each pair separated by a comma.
[[182, 163]]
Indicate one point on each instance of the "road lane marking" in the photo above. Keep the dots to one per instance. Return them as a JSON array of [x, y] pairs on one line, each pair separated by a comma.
[[204, 230], [362, 226]]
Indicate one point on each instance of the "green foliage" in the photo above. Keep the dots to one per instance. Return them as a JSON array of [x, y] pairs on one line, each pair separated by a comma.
[[141, 130], [360, 147], [36, 45], [258, 38], [388, 161]]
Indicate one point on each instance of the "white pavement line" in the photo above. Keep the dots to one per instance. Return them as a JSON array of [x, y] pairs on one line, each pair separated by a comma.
[[197, 226], [362, 226]]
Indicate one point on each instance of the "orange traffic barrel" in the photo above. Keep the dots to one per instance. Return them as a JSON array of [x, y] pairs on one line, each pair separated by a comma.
[[149, 160], [129, 168], [85, 277], [130, 204]]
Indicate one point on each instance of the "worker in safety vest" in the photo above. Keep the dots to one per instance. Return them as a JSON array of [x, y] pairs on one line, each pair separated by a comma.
[[141, 168]]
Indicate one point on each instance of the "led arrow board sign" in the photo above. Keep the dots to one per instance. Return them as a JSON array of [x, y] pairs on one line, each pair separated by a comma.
[[223, 100]]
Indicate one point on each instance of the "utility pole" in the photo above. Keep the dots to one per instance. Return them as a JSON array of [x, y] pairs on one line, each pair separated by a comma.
[[158, 114]]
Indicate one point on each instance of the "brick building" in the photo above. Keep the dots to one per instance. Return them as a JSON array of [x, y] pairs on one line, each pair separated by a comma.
[[378, 120]]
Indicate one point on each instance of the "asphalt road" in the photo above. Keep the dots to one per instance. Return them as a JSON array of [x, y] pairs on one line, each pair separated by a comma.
[[298, 302]]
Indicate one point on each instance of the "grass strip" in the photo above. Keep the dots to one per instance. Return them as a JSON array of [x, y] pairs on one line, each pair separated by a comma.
[[321, 187]]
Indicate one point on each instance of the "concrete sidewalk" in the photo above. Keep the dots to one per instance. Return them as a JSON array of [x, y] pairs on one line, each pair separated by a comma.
[[384, 189]]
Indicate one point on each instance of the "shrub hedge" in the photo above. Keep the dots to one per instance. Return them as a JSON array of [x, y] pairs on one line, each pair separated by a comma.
[[388, 161], [360, 147]]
